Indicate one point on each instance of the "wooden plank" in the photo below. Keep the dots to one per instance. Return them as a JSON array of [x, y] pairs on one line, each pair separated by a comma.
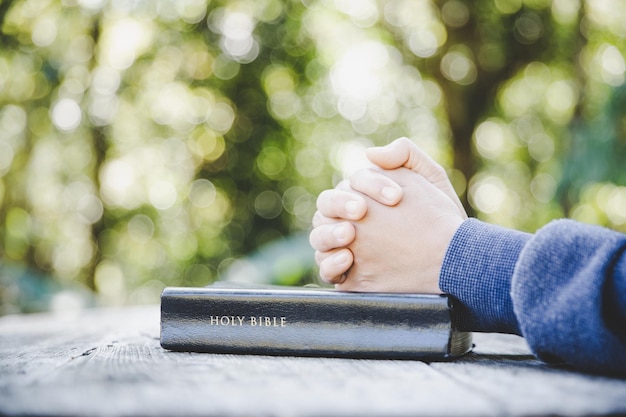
[[523, 385], [109, 362]]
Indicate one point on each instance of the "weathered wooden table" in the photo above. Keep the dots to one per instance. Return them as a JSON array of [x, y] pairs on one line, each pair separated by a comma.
[[108, 362]]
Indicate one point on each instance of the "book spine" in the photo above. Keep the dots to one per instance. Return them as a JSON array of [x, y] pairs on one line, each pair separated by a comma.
[[288, 324]]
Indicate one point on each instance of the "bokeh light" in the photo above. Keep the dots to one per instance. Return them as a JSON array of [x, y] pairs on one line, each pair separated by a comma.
[[147, 144]]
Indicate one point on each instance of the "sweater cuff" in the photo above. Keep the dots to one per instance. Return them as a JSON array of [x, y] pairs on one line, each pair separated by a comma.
[[477, 270]]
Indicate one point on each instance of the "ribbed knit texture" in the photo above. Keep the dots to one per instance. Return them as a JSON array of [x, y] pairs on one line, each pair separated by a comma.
[[563, 289], [477, 269]]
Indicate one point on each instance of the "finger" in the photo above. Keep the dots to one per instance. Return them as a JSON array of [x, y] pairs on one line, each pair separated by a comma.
[[319, 219], [404, 153], [341, 204], [343, 185], [377, 186], [334, 264], [332, 236]]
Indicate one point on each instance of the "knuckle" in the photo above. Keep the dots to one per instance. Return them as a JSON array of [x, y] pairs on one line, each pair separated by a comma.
[[322, 198], [328, 276], [314, 241], [318, 257], [439, 170], [316, 221], [343, 185], [406, 142], [363, 174]]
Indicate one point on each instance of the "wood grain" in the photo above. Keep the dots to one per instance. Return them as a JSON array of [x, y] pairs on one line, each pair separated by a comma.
[[108, 362]]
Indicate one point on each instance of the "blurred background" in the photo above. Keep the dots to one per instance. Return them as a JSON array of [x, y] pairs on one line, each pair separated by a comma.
[[153, 143]]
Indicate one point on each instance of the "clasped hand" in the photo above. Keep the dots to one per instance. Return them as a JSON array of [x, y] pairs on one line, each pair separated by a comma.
[[387, 228]]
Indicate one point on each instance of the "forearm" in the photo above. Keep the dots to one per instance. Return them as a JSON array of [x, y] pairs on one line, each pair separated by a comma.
[[569, 296], [563, 289]]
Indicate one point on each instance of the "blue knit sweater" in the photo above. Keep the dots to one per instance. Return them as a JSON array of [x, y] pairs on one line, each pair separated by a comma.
[[563, 289]]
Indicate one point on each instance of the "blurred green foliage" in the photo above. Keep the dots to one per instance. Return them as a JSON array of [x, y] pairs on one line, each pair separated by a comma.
[[146, 143]]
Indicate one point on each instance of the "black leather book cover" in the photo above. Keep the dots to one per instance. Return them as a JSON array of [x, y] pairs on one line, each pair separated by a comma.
[[310, 322]]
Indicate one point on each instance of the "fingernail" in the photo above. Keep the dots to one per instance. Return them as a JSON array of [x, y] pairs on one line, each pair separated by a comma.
[[340, 232], [390, 194], [340, 259], [352, 207]]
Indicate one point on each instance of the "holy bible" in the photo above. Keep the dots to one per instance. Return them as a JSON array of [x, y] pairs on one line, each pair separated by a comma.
[[311, 322]]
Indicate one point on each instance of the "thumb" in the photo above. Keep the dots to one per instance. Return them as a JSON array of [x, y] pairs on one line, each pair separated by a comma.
[[403, 152], [391, 156]]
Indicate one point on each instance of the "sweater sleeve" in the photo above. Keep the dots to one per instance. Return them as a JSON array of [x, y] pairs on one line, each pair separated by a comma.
[[477, 270], [563, 289], [569, 296]]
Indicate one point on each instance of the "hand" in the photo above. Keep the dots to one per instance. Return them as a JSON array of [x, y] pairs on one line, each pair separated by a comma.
[[332, 233], [401, 248], [404, 153]]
